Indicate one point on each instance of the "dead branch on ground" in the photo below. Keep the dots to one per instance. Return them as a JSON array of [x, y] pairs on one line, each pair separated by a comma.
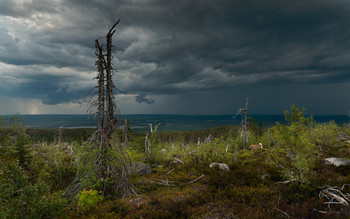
[[335, 196]]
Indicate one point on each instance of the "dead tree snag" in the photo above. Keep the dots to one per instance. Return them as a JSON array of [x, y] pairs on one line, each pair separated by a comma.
[[106, 162], [243, 112]]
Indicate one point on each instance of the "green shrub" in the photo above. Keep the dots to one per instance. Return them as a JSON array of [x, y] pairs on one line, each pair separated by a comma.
[[324, 134], [134, 155], [10, 127], [22, 151], [20, 198], [88, 200], [294, 137], [13, 140]]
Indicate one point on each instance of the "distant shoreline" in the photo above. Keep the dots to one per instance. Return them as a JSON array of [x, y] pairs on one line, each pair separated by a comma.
[[167, 122]]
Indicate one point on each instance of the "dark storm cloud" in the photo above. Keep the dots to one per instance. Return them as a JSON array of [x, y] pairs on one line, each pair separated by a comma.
[[26, 8], [207, 45], [140, 98], [51, 89], [179, 47]]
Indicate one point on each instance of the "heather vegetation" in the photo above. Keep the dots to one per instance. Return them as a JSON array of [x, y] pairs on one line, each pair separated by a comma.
[[170, 174]]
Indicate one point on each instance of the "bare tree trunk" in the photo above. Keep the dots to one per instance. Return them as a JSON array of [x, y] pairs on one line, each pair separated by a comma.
[[126, 131], [109, 88], [110, 104], [243, 112], [101, 63], [100, 163], [60, 138], [236, 153], [245, 124]]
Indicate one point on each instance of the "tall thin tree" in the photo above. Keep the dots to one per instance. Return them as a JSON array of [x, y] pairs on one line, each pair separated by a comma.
[[109, 162], [243, 112], [101, 65]]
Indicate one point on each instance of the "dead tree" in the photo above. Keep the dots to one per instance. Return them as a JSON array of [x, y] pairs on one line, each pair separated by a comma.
[[109, 161], [147, 148], [335, 196], [101, 65], [243, 112], [111, 105], [148, 141], [126, 131], [60, 138]]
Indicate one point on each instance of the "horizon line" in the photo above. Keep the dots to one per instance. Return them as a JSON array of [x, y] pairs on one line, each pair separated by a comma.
[[165, 114]]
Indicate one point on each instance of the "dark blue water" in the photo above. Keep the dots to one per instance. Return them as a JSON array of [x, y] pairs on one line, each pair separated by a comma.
[[167, 122]]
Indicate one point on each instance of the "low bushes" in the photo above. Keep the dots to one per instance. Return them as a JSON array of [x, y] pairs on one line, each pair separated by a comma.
[[281, 180]]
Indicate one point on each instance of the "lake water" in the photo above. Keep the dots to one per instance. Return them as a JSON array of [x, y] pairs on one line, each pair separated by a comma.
[[167, 122]]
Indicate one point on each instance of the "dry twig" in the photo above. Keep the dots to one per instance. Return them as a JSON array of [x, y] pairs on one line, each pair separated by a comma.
[[283, 212], [335, 196]]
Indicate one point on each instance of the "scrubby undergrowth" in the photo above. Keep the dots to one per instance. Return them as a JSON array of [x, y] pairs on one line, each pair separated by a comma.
[[284, 179]]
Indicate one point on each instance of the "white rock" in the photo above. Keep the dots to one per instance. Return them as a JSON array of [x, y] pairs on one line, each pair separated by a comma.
[[337, 161], [265, 176], [222, 166]]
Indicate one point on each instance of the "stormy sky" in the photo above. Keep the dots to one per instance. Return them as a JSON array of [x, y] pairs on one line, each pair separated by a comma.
[[177, 56]]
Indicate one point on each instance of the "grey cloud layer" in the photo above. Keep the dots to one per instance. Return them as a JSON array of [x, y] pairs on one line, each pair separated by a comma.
[[178, 47], [209, 45]]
